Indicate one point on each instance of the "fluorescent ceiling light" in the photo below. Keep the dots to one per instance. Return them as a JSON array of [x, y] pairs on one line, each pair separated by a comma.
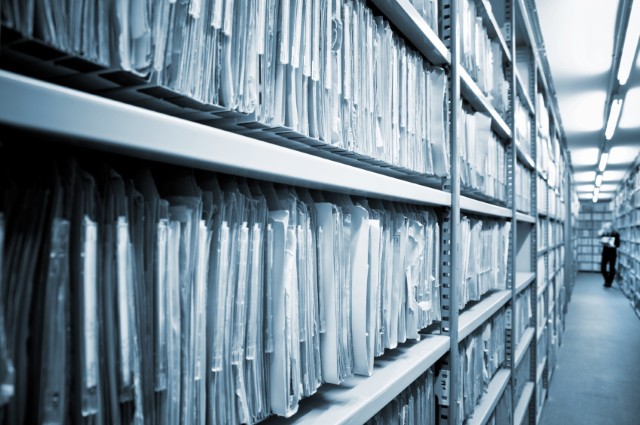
[[603, 161], [630, 44], [595, 198], [596, 191], [614, 115], [598, 180]]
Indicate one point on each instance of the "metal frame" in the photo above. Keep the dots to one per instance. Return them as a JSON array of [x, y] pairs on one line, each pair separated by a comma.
[[446, 384], [512, 158], [534, 236]]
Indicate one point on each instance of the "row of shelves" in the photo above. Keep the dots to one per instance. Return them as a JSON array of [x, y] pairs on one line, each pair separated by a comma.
[[152, 135], [92, 121]]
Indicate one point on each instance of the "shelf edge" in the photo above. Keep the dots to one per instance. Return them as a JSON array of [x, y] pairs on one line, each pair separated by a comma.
[[489, 401], [523, 404], [471, 319], [521, 349], [523, 280], [475, 206], [155, 136]]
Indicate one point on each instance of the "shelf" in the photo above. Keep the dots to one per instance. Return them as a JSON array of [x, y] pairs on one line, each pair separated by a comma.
[[543, 288], [472, 93], [541, 330], [524, 94], [484, 409], [540, 368], [527, 26], [524, 343], [476, 315], [543, 214], [542, 403], [542, 78], [525, 218], [408, 21], [492, 26], [522, 407], [117, 127], [359, 397], [524, 157], [550, 371], [475, 206], [541, 174], [523, 280]]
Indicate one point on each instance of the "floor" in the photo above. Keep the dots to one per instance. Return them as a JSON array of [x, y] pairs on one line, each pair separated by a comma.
[[597, 380]]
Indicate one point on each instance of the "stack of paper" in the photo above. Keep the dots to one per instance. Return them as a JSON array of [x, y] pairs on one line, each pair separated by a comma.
[[482, 57], [428, 9], [7, 371], [523, 188], [481, 355], [482, 156], [330, 70], [522, 126], [544, 149], [542, 196], [523, 314], [523, 373], [487, 271], [186, 297], [413, 406], [503, 413]]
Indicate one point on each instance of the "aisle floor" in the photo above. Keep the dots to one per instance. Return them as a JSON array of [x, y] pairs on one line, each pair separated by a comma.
[[597, 380]]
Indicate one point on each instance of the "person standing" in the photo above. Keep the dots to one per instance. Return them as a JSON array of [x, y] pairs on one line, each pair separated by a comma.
[[610, 240]]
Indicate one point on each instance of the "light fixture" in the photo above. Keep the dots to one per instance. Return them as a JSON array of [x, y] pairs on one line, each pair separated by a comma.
[[603, 161], [595, 198], [596, 191], [630, 44], [598, 180], [614, 115]]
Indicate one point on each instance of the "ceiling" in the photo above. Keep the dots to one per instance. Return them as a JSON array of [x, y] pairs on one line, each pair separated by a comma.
[[579, 42]]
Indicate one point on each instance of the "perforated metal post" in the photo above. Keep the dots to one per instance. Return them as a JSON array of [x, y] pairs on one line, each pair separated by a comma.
[[446, 384], [511, 317], [533, 353]]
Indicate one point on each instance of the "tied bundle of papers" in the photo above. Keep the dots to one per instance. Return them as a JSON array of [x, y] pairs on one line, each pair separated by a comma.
[[523, 188], [482, 156], [523, 126], [485, 251], [544, 149], [523, 373], [523, 314], [165, 295], [327, 69], [413, 406], [482, 57], [503, 413], [428, 9], [481, 355], [608, 241]]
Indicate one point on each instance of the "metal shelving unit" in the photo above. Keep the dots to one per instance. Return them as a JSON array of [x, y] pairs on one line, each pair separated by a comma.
[[117, 125]]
